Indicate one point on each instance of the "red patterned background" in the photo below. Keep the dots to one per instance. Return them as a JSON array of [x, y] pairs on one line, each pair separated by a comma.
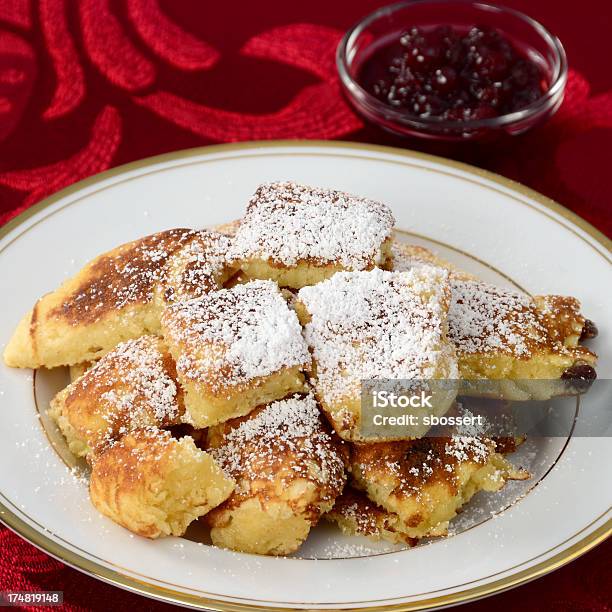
[[90, 84]]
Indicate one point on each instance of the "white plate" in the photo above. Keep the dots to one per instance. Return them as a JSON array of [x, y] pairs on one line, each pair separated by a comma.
[[486, 224]]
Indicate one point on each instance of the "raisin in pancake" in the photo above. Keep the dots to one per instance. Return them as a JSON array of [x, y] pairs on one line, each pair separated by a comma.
[[355, 514], [155, 485], [117, 296], [288, 469], [520, 341], [425, 482], [235, 349], [299, 235], [132, 386], [378, 325]]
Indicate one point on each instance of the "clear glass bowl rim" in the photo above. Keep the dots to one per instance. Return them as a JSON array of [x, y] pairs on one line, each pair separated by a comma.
[[548, 98]]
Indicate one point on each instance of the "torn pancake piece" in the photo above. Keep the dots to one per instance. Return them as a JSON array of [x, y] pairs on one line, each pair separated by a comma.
[[235, 349], [155, 485], [116, 297], [131, 387], [200, 266], [522, 342], [355, 514], [288, 467], [377, 325], [298, 235], [425, 482]]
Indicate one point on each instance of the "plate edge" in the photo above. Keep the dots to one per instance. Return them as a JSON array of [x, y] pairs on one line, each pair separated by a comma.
[[22, 528]]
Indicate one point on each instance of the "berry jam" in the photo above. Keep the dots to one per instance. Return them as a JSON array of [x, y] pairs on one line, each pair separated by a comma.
[[453, 74]]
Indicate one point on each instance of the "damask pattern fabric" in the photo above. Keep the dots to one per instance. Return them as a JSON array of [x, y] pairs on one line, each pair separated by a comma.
[[92, 84]]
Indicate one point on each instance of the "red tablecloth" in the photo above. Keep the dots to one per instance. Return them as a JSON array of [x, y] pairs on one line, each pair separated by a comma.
[[96, 83]]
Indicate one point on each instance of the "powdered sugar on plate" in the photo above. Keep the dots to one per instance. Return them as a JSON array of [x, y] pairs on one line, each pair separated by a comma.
[[288, 223]]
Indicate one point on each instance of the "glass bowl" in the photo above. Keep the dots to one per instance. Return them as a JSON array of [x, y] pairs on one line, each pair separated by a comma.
[[388, 23]]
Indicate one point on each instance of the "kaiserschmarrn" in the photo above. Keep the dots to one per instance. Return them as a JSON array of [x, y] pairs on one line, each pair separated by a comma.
[[298, 235], [376, 325], [288, 469], [235, 349], [219, 376]]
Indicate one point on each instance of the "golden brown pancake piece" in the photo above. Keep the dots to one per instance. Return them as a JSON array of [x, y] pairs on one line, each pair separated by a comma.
[[426, 481], [298, 235], [132, 386], [503, 335], [155, 485], [198, 267], [370, 325], [117, 296], [355, 514], [235, 349], [500, 334], [289, 469]]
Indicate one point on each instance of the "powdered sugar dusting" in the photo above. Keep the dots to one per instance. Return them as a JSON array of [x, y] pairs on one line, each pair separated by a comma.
[[289, 430], [365, 517], [127, 275], [484, 318], [143, 382], [468, 448], [196, 268], [287, 223], [145, 445], [377, 325], [408, 256], [236, 334], [411, 465], [181, 263]]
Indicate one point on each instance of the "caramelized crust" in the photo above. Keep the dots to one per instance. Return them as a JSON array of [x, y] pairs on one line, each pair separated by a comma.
[[561, 317], [503, 335], [132, 386], [426, 481], [118, 296], [127, 275]]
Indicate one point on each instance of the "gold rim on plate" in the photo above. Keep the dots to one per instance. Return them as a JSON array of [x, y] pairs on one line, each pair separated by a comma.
[[24, 529]]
